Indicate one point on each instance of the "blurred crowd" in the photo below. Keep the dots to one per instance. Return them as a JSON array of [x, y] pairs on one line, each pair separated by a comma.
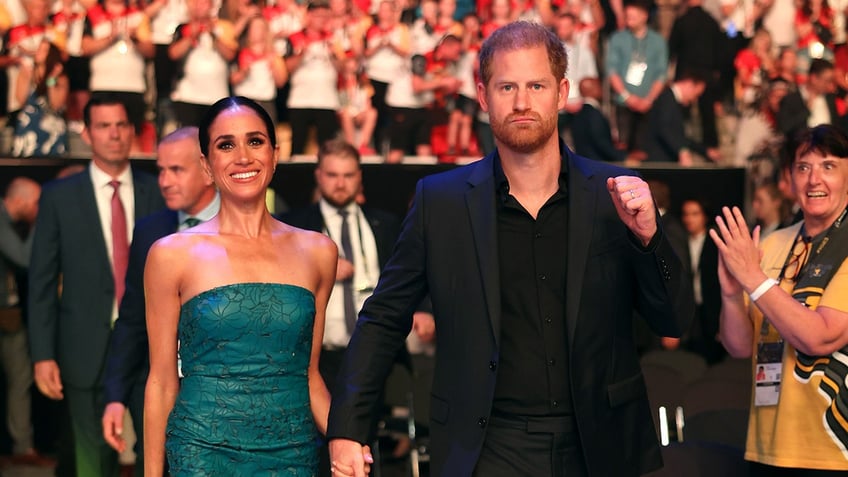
[[673, 80]]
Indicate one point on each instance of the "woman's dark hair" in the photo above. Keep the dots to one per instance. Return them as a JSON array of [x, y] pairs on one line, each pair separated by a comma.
[[825, 139], [54, 57], [232, 102]]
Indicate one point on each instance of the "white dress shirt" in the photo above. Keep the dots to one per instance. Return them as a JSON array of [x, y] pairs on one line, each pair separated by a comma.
[[366, 267], [103, 192]]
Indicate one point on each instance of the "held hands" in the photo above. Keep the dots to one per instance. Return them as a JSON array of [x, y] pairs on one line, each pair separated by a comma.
[[739, 253], [424, 325], [349, 458], [48, 379], [635, 205], [113, 426]]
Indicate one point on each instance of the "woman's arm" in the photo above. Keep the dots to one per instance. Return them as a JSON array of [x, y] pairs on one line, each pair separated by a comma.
[[325, 256], [161, 290], [57, 95], [23, 84]]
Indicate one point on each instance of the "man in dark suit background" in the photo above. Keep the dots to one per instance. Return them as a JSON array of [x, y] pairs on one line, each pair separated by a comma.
[[190, 197], [812, 103], [534, 259], [369, 239], [663, 137], [698, 43], [701, 259], [591, 129], [74, 290], [371, 232]]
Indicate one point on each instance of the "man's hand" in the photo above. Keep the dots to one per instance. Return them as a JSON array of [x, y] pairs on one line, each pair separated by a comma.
[[635, 206], [349, 458], [344, 270], [113, 426], [48, 379], [424, 325]]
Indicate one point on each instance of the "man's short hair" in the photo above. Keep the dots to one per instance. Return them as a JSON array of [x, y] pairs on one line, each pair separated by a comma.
[[183, 133], [520, 35], [694, 75], [819, 66], [101, 99], [316, 4], [644, 5], [337, 147]]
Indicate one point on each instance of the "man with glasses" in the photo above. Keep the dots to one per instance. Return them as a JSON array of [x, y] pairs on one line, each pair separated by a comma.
[[794, 319]]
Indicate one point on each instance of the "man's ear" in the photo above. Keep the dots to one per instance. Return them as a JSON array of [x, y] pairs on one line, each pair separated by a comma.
[[481, 97]]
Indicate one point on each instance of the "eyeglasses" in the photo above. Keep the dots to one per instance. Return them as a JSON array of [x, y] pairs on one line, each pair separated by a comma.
[[800, 253]]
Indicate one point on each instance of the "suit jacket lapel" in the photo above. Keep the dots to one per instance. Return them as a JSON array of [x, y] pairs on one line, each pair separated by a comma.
[[582, 201], [480, 200], [90, 216], [142, 195]]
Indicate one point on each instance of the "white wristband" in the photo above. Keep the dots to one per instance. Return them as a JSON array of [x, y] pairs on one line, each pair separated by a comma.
[[763, 288]]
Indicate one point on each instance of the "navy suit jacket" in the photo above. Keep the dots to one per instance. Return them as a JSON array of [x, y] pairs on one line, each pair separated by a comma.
[[592, 135], [663, 135], [448, 248], [128, 361], [69, 250], [793, 114]]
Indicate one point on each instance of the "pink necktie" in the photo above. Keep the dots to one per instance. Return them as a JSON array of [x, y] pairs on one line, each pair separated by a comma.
[[120, 243]]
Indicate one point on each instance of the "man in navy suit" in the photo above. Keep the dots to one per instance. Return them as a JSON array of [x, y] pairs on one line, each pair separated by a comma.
[[73, 288], [591, 129], [664, 138], [190, 197], [534, 259]]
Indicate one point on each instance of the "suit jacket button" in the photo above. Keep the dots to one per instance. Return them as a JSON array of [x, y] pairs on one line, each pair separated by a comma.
[[493, 365], [482, 422]]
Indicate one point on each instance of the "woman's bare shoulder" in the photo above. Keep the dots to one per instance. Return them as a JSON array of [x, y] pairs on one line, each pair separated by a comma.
[[307, 239]]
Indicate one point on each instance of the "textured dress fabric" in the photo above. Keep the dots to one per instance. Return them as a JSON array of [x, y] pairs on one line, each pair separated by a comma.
[[243, 406]]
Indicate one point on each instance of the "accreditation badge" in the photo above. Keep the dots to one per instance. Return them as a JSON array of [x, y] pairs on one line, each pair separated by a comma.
[[769, 368], [635, 72]]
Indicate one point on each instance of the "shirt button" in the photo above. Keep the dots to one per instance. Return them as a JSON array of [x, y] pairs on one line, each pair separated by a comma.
[[482, 422], [493, 365], [548, 320], [537, 235], [551, 362], [554, 403], [542, 276]]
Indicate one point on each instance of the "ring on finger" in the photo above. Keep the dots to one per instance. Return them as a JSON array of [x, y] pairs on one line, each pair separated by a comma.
[[632, 194]]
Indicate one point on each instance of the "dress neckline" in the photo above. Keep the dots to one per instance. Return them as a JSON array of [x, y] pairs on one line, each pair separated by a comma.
[[246, 284]]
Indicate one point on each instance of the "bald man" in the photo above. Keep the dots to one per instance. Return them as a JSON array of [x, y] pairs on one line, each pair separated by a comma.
[[591, 129], [18, 207]]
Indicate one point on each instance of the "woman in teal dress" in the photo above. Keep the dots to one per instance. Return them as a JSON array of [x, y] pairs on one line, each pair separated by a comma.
[[244, 296]]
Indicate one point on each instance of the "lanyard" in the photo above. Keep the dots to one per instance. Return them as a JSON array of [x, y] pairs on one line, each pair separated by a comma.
[[807, 240]]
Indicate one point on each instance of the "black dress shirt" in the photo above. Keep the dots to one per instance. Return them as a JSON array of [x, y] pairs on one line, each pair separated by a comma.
[[533, 364]]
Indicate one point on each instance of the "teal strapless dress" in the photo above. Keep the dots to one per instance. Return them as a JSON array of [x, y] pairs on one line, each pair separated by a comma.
[[243, 406]]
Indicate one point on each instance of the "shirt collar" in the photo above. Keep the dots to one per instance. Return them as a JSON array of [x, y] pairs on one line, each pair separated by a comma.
[[211, 210], [330, 210], [592, 102], [101, 179], [676, 92], [502, 184]]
